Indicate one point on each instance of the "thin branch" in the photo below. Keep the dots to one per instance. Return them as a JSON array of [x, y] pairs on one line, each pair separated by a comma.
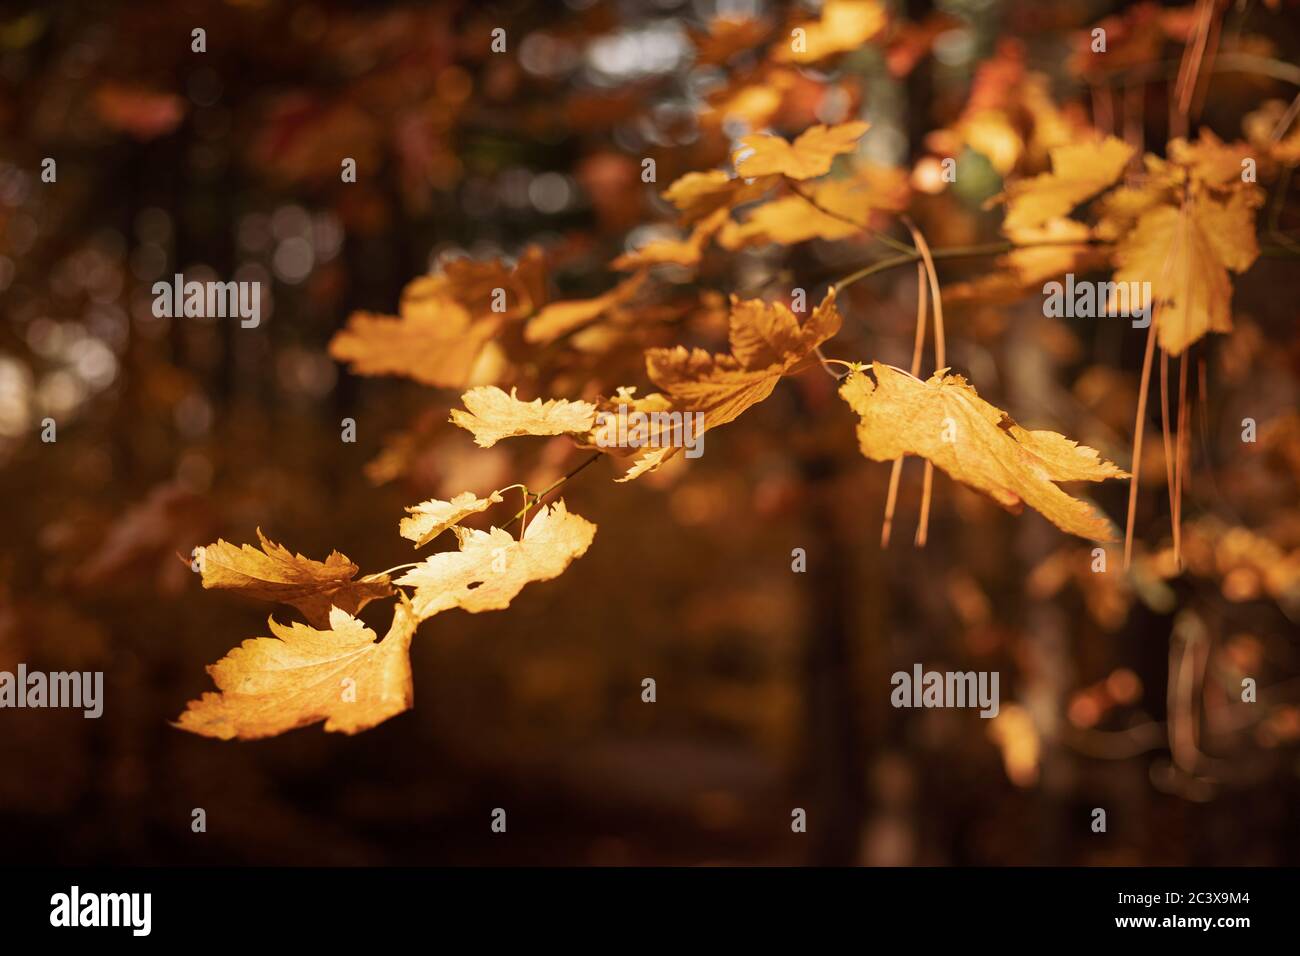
[[940, 361], [1182, 442], [874, 234], [1138, 427], [918, 347], [1169, 451], [537, 498], [958, 252], [1165, 70], [827, 362]]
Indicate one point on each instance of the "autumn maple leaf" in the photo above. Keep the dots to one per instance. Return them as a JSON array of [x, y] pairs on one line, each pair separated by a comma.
[[491, 415], [1183, 255], [807, 157], [844, 25], [446, 321], [431, 518], [831, 209], [678, 252], [945, 421], [1079, 172], [492, 567], [276, 574], [699, 195], [767, 342], [560, 318], [338, 674]]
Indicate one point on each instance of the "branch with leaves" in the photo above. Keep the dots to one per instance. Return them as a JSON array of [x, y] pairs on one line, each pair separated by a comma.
[[1180, 226]]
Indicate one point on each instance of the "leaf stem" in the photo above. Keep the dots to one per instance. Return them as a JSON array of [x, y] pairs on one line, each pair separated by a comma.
[[400, 567], [940, 361], [874, 234], [827, 362], [957, 252], [537, 498]]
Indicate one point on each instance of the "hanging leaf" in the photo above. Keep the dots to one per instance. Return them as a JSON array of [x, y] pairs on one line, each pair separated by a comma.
[[945, 421]]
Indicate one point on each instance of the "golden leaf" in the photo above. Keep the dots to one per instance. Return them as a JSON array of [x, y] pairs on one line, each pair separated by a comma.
[[1185, 254], [844, 25], [767, 342], [561, 318], [678, 252], [847, 205], [439, 350], [431, 518], [604, 434], [785, 221], [752, 103], [276, 574], [807, 157], [1210, 160], [1079, 171], [1119, 210], [491, 567], [492, 415], [1049, 252], [697, 195], [445, 321], [945, 421], [269, 685], [474, 283]]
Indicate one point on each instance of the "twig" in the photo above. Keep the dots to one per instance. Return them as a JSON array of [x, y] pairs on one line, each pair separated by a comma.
[[874, 234], [827, 362], [940, 361], [918, 346], [537, 498], [958, 252]]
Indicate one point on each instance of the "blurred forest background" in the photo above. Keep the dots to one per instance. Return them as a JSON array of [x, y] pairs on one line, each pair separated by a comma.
[[1118, 691]]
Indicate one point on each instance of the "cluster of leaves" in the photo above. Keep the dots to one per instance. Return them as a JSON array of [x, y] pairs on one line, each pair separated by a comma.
[[1184, 222]]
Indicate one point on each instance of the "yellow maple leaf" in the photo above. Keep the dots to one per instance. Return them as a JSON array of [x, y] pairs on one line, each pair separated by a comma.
[[839, 208], [434, 350], [844, 25], [807, 157], [561, 318], [698, 195], [431, 518], [492, 567], [785, 221], [751, 99], [615, 409], [1119, 210], [1180, 257], [482, 285], [445, 321], [1210, 160], [946, 422], [276, 574], [340, 675], [1079, 171], [491, 415], [679, 252], [767, 341], [1048, 252]]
